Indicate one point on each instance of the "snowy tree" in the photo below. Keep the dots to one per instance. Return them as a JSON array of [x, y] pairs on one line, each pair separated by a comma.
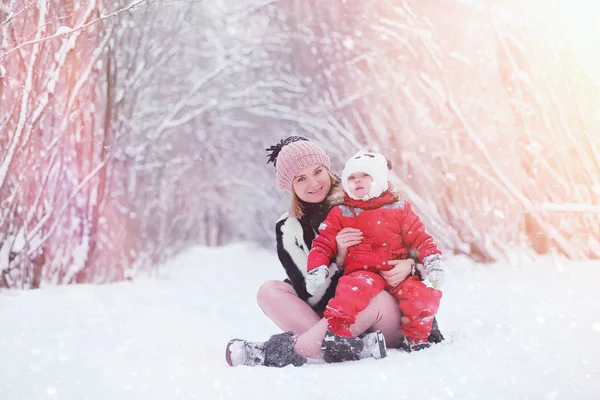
[[131, 130]]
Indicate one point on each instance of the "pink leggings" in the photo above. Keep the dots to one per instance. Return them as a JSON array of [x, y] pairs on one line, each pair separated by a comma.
[[281, 304]]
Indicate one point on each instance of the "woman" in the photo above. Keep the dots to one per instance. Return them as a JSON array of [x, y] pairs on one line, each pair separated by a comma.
[[302, 168]]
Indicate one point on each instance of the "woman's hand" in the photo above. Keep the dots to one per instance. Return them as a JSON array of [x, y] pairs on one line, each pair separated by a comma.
[[402, 269], [345, 238]]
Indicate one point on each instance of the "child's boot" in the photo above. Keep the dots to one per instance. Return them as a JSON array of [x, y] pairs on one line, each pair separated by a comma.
[[436, 335], [414, 344]]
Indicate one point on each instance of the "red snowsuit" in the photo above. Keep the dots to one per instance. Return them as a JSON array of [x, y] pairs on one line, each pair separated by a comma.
[[390, 229]]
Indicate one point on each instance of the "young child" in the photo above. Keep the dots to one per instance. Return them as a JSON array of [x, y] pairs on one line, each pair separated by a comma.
[[390, 229]]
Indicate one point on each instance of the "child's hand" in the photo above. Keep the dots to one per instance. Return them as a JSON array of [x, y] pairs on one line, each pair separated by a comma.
[[345, 238], [316, 278], [434, 270], [400, 271], [436, 278]]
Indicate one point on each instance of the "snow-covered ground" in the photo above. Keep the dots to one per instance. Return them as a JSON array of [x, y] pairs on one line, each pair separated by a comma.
[[527, 331]]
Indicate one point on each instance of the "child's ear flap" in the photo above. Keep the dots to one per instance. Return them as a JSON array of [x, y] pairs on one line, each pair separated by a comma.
[[389, 163]]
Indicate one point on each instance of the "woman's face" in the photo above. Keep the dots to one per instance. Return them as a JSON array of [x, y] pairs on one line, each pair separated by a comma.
[[312, 184]]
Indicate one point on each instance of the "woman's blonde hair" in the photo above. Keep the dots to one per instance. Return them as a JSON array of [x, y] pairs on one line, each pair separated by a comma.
[[296, 209]]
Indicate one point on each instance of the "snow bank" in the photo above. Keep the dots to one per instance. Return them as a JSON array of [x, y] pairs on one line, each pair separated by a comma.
[[529, 331]]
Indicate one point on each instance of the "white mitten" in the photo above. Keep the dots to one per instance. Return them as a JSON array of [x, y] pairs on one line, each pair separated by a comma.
[[434, 270], [315, 278]]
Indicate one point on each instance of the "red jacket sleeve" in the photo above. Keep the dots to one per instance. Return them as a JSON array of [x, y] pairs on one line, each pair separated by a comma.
[[324, 246], [414, 235]]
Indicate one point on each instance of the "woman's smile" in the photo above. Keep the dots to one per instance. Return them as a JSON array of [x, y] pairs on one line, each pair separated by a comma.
[[316, 191]]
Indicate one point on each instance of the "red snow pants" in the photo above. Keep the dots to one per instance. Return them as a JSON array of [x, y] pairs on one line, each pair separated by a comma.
[[418, 303]]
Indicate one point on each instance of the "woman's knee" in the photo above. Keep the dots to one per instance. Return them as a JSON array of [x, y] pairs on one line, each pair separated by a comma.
[[271, 290], [388, 318], [385, 302]]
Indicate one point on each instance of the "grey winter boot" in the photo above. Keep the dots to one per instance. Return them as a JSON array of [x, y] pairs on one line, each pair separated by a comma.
[[242, 352], [339, 349], [278, 352]]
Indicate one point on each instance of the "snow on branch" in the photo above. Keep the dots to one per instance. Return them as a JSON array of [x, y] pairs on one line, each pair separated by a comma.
[[65, 30]]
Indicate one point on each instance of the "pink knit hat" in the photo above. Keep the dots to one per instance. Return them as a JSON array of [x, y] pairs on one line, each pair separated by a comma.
[[293, 154]]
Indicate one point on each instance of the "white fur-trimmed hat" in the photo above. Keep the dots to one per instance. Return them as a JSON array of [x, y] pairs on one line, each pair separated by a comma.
[[374, 164]]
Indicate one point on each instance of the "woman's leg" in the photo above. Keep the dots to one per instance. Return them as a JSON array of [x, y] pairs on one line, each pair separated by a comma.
[[382, 313], [387, 320], [281, 304]]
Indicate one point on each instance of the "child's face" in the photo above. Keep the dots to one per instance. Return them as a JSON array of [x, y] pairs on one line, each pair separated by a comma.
[[359, 184]]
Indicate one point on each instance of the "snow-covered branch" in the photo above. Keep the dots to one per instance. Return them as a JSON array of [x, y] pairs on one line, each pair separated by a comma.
[[66, 30]]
